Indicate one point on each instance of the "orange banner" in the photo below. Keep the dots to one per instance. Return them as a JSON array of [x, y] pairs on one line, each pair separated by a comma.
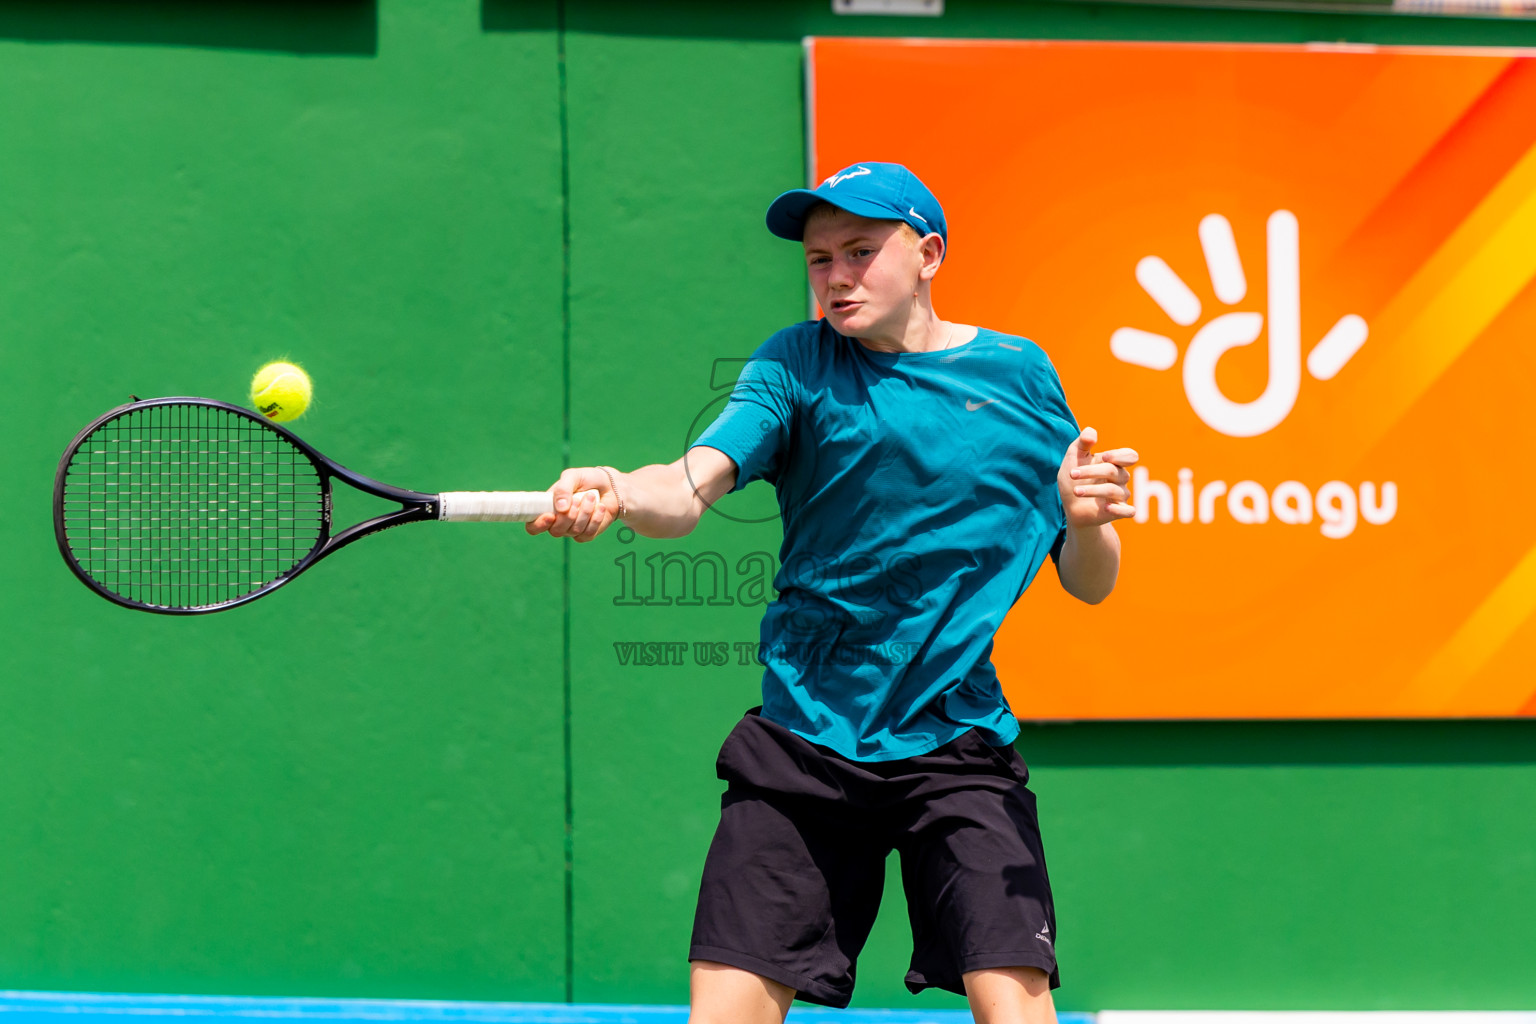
[[1298, 279]]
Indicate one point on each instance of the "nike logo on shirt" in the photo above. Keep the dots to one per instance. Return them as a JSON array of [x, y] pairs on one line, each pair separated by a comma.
[[971, 406]]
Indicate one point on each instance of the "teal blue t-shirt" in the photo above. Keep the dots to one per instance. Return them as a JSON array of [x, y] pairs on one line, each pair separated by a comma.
[[918, 495]]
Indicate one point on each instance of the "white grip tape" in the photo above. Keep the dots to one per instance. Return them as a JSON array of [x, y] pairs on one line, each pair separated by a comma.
[[495, 506]]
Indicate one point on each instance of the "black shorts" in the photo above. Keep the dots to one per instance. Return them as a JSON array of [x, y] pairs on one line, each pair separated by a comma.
[[797, 866]]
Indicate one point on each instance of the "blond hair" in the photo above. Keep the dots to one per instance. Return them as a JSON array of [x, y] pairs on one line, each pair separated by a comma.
[[825, 209]]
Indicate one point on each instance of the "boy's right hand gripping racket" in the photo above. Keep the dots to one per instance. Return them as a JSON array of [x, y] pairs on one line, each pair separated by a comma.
[[187, 505]]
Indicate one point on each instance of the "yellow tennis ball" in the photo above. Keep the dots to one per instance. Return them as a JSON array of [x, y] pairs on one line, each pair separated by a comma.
[[281, 391]]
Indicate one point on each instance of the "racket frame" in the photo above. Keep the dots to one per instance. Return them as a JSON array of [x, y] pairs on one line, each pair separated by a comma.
[[415, 506]]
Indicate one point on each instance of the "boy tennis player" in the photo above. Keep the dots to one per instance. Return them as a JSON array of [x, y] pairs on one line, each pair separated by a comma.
[[924, 469]]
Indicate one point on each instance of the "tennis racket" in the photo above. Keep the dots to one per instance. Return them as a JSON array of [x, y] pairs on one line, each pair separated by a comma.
[[187, 505]]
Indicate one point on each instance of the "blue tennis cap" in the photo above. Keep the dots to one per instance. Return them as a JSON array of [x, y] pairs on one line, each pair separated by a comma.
[[877, 190]]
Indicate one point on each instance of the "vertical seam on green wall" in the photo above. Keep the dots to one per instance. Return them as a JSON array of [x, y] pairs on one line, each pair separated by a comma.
[[565, 460]]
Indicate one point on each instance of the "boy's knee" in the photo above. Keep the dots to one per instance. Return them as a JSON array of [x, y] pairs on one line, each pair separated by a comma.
[[1010, 995], [722, 994]]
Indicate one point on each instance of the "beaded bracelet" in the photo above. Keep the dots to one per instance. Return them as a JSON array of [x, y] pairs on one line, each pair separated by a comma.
[[613, 483]]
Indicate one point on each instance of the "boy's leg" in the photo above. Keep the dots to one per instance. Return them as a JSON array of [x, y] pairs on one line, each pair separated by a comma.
[[721, 994], [1010, 995], [794, 873], [973, 866]]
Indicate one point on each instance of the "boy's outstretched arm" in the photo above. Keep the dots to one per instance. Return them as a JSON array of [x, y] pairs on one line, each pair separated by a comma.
[[1095, 491], [659, 500]]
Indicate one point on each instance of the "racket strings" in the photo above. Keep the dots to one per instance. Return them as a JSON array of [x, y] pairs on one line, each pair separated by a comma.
[[185, 506]]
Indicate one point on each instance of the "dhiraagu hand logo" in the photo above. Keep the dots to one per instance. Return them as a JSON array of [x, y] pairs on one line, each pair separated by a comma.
[[1230, 330], [1337, 504]]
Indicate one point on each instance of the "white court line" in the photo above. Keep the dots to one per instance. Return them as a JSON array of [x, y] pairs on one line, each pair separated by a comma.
[[1316, 1017]]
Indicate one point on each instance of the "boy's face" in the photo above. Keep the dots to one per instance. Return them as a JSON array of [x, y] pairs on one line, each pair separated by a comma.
[[866, 272]]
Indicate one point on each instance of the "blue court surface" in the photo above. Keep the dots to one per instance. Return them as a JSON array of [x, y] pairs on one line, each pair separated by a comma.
[[82, 1008]]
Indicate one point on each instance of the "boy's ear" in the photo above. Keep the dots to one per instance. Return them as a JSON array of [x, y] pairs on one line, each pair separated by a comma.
[[931, 249]]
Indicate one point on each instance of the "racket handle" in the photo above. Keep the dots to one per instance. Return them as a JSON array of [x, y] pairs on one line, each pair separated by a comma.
[[495, 506]]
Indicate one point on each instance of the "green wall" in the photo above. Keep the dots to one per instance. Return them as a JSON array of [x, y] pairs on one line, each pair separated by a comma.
[[504, 237], [357, 790]]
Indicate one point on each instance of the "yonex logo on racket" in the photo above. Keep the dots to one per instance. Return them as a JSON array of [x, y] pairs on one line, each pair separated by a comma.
[[1231, 330]]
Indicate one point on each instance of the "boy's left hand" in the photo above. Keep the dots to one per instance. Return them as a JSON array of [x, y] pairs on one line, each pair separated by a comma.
[[1095, 487]]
